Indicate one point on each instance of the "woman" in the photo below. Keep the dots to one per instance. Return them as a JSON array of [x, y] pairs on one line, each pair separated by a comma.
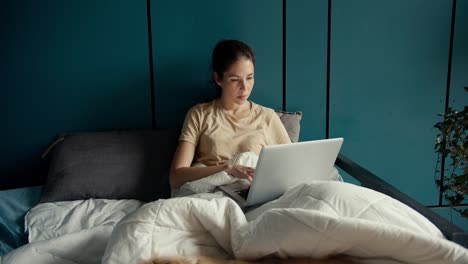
[[217, 131]]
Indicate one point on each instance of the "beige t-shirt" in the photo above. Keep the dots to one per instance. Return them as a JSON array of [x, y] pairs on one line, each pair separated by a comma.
[[219, 136]]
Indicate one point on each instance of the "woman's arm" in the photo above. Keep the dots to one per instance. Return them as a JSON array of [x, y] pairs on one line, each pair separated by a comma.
[[181, 172]]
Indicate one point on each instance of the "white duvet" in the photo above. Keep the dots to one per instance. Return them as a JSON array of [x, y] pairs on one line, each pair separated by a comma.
[[317, 219]]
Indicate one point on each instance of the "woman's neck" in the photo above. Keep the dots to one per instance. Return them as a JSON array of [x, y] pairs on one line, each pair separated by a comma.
[[237, 110]]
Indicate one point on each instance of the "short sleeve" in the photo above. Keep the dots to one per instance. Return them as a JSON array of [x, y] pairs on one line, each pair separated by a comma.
[[191, 128], [277, 131]]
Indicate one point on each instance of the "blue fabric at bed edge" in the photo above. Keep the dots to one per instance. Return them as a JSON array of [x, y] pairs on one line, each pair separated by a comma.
[[14, 204]]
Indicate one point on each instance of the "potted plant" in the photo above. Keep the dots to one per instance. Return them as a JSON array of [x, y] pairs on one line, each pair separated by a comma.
[[452, 148]]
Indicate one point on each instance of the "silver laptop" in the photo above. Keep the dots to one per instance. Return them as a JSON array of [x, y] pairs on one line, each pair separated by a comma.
[[281, 167]]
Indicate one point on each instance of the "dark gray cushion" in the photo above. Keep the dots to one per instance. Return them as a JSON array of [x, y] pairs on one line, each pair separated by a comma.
[[111, 165]]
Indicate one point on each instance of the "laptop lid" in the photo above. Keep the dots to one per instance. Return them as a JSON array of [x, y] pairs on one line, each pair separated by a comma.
[[281, 167]]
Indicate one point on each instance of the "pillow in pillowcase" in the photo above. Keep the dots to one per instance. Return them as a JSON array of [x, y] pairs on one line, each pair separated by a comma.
[[111, 165], [292, 123]]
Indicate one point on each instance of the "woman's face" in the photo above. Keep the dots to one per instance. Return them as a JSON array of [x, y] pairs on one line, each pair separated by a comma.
[[237, 82]]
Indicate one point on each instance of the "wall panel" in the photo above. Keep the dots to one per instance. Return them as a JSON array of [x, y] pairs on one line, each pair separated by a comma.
[[388, 81], [184, 34], [306, 64], [69, 66], [458, 97]]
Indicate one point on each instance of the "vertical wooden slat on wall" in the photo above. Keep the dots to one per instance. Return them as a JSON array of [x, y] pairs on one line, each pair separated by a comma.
[[388, 80], [184, 34], [70, 66], [459, 79], [306, 64]]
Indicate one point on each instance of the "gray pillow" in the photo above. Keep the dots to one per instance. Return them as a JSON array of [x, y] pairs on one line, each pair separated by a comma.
[[292, 123], [111, 165]]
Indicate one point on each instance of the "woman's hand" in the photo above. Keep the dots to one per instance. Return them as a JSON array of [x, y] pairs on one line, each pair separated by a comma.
[[241, 172]]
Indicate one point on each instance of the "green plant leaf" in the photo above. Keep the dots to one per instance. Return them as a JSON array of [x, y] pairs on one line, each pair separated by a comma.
[[451, 144]]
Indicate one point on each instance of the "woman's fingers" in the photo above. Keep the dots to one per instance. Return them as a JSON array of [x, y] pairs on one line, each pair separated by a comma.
[[244, 172], [248, 171]]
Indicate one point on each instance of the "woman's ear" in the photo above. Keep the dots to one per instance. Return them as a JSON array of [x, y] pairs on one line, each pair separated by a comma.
[[216, 78]]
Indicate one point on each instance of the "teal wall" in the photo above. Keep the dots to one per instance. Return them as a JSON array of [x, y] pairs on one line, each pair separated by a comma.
[[183, 39], [306, 64], [85, 65], [459, 78], [393, 65], [69, 66]]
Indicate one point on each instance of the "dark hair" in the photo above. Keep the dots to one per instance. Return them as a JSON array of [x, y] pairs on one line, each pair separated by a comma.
[[225, 53]]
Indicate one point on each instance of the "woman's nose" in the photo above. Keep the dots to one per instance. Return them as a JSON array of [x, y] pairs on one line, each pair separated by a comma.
[[243, 85]]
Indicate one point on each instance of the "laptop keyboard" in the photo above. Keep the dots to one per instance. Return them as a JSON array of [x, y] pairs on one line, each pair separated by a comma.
[[243, 193]]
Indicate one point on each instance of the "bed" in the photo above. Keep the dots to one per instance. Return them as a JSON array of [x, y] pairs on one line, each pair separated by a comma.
[[107, 200]]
